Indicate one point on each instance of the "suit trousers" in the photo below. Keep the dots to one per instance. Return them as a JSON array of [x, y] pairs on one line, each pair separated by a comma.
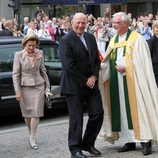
[[76, 110]]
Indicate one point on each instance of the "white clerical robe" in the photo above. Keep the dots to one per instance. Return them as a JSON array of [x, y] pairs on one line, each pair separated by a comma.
[[146, 96]]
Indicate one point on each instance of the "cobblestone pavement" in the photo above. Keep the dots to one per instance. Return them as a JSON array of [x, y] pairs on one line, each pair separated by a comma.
[[52, 141]]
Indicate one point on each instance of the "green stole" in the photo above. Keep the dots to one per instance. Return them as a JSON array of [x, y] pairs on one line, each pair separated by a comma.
[[114, 91]]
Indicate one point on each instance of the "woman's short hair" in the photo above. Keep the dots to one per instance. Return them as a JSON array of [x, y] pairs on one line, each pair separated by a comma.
[[30, 37]]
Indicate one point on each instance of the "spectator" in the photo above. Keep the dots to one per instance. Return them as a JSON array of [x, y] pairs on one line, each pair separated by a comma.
[[67, 27], [100, 35], [16, 32], [59, 31], [25, 25], [51, 30], [146, 30], [32, 29], [8, 26], [153, 45], [37, 12], [44, 33]]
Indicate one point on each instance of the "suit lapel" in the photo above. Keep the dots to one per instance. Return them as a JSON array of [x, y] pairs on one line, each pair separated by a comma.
[[85, 50], [79, 42], [88, 46], [88, 43]]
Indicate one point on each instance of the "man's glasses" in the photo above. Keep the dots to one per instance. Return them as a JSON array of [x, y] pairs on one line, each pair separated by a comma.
[[119, 22]]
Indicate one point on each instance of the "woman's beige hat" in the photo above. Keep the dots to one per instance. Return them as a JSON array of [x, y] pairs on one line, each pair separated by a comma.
[[30, 37]]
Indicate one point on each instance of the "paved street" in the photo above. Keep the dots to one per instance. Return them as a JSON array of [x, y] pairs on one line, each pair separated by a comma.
[[52, 141]]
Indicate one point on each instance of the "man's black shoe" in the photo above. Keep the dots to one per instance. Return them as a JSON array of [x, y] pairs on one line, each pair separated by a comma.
[[78, 154], [128, 147], [92, 150], [147, 148]]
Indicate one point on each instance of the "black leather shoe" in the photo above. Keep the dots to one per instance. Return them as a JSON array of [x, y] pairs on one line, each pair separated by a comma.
[[128, 147], [92, 151], [78, 154], [147, 148]]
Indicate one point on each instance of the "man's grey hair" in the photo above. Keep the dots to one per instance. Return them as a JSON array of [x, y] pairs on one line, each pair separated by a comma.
[[155, 24], [123, 15], [77, 15]]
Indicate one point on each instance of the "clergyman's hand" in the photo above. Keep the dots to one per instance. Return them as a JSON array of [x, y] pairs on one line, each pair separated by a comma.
[[120, 68]]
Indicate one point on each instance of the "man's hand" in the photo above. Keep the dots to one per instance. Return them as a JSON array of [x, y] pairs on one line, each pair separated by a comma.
[[91, 81], [120, 68]]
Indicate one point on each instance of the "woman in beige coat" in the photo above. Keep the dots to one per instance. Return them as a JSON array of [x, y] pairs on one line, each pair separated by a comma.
[[30, 83]]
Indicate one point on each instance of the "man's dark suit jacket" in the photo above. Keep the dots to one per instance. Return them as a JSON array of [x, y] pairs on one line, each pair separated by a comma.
[[78, 63], [153, 45], [6, 32]]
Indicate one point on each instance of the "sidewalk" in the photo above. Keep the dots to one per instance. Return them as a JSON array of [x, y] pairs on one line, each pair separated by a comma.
[[52, 141]]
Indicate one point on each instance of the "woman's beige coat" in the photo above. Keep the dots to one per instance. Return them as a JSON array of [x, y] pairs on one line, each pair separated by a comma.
[[31, 82]]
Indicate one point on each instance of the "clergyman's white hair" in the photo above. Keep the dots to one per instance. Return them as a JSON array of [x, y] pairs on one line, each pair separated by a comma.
[[123, 15]]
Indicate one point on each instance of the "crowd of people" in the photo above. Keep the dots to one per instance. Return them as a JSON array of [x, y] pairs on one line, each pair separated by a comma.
[[55, 28], [121, 96], [40, 25]]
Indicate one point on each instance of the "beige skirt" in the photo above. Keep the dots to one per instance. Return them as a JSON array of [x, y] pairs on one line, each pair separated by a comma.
[[32, 102]]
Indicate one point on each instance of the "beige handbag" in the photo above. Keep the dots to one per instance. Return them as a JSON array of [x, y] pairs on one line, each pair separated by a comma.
[[48, 99]]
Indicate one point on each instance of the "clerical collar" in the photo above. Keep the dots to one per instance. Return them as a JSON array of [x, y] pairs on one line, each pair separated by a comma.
[[81, 36], [127, 35], [123, 34]]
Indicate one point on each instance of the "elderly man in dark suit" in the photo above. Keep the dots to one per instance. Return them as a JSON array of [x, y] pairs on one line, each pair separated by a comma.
[[79, 82]]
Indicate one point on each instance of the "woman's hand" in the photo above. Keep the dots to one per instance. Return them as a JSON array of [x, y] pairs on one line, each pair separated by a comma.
[[18, 97]]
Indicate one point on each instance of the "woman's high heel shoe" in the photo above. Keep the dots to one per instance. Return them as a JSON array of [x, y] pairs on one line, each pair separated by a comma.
[[33, 144]]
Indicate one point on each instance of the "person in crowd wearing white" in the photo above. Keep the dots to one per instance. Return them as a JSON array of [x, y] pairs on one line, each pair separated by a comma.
[[43, 32], [32, 29], [25, 25], [100, 35], [51, 29]]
